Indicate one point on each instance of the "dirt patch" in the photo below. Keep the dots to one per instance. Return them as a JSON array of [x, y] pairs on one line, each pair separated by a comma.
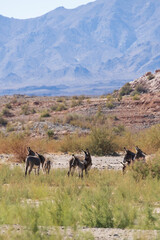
[[98, 233], [61, 161]]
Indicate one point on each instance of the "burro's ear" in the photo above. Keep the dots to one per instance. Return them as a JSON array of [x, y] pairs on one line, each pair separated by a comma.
[[87, 150]]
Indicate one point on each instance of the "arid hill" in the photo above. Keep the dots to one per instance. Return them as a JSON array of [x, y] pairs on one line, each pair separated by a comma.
[[149, 81], [40, 116]]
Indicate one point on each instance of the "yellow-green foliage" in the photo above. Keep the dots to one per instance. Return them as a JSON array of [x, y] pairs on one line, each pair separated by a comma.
[[103, 199], [101, 140]]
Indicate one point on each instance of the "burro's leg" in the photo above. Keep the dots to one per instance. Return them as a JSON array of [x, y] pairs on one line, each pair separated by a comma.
[[30, 169], [82, 173], [38, 170], [26, 169]]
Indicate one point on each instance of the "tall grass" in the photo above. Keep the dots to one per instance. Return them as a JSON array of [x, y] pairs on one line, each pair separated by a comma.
[[104, 199]]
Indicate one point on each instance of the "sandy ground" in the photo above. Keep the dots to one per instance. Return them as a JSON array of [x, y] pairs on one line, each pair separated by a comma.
[[104, 162], [61, 161], [98, 233]]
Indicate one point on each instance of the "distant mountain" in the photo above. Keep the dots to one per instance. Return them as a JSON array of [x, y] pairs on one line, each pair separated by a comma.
[[92, 49]]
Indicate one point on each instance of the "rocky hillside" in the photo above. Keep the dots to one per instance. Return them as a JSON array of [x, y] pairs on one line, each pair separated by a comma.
[[92, 49], [149, 81], [54, 117]]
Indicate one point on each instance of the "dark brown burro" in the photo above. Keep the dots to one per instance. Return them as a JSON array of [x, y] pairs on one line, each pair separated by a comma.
[[76, 162], [33, 161], [131, 157]]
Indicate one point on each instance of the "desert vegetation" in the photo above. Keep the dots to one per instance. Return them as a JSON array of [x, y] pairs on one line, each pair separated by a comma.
[[100, 140], [105, 199]]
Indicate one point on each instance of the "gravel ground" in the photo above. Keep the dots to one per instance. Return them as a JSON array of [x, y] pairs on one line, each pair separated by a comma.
[[98, 233]]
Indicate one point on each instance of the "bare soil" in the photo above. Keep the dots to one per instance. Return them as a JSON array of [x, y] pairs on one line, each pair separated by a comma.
[[98, 233]]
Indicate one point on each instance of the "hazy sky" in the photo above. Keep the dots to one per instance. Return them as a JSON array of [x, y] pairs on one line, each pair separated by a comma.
[[33, 8]]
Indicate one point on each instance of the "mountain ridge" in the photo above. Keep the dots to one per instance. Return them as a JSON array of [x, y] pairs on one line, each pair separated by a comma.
[[102, 43]]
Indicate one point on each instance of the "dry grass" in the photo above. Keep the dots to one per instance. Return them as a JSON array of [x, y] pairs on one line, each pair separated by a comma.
[[100, 141]]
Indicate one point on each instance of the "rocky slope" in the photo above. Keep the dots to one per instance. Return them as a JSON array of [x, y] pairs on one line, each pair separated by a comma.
[[149, 81], [91, 49]]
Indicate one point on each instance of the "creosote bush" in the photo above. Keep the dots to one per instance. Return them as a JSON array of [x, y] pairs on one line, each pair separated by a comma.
[[45, 114], [126, 89], [50, 133], [3, 121], [25, 109], [6, 112], [140, 88], [102, 141]]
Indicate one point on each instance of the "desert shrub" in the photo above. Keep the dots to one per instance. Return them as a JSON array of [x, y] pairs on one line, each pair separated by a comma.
[[154, 167], [126, 89], [96, 209], [54, 107], [45, 114], [17, 145], [10, 128], [74, 143], [70, 118], [125, 138], [119, 130], [61, 107], [82, 97], [50, 133], [60, 99], [149, 139], [75, 103], [134, 93], [75, 97], [3, 122], [136, 97], [8, 105], [142, 170], [102, 141], [6, 112], [140, 88], [150, 76], [33, 111], [25, 109], [110, 105]]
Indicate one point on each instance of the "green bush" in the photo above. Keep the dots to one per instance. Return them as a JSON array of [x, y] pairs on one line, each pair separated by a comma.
[[25, 109], [140, 88], [8, 105], [126, 89], [110, 105], [50, 134], [61, 107], [3, 122], [45, 114], [6, 112], [136, 97], [75, 103], [150, 76], [102, 141]]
